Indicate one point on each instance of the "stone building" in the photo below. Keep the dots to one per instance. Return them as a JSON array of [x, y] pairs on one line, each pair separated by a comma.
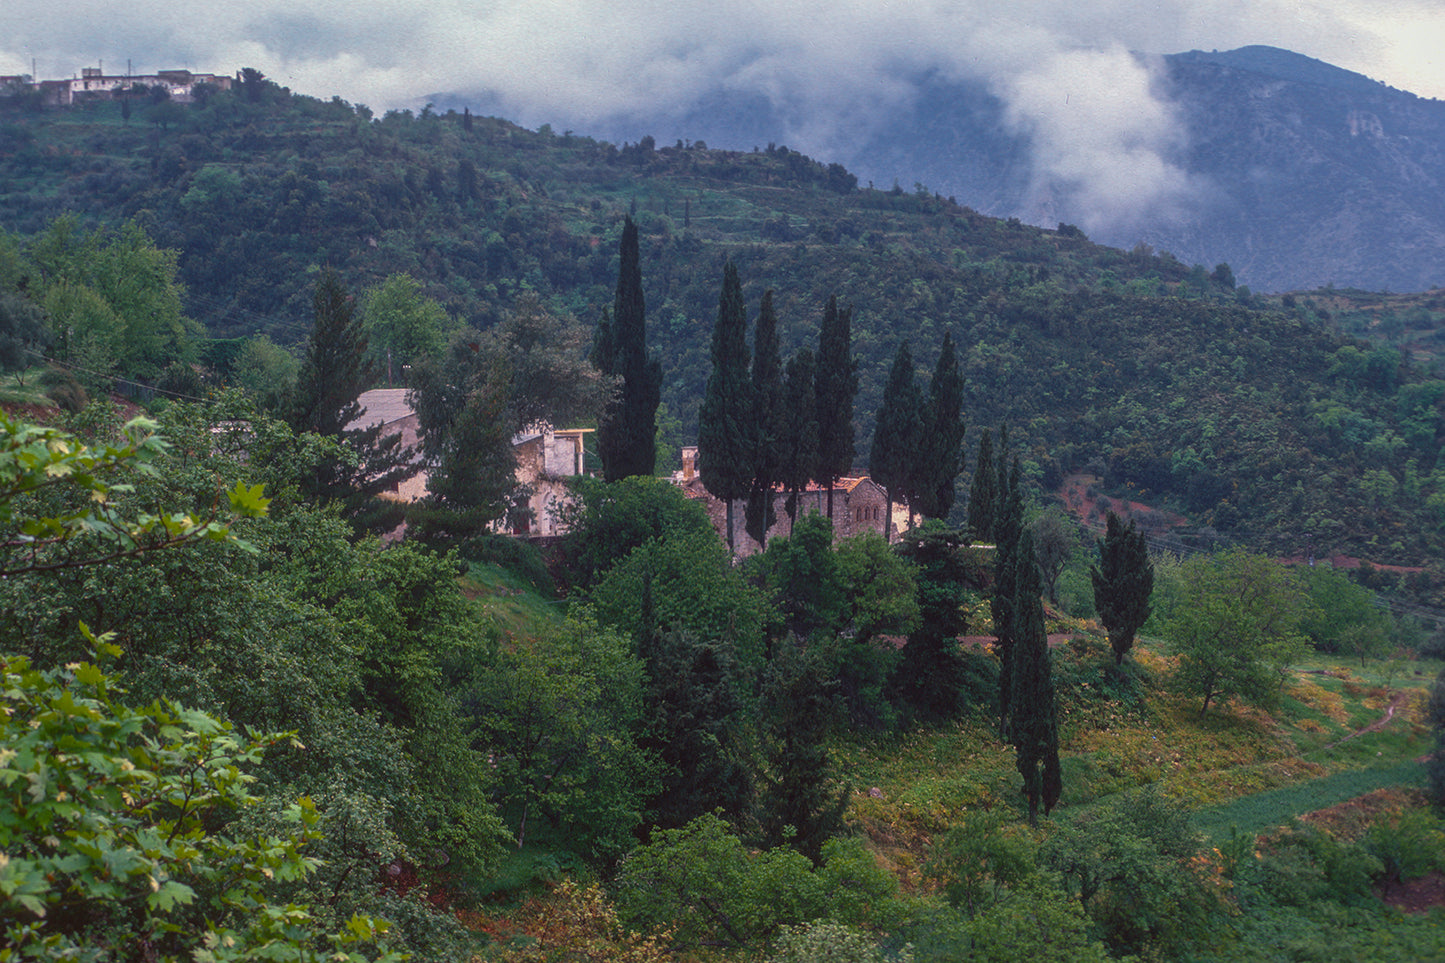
[[94, 84], [859, 505]]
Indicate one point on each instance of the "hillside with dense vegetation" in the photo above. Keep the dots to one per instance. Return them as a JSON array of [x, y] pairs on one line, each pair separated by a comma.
[[236, 723], [1258, 421]]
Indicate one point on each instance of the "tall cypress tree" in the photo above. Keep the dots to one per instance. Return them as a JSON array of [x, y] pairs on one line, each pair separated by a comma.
[[940, 452], [769, 425], [836, 386], [897, 434], [627, 430], [983, 494], [1123, 581], [725, 420], [799, 443], [1008, 530], [1034, 727]]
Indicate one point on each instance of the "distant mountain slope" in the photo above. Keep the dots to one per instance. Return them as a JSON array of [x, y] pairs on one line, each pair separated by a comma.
[[1303, 174], [1168, 382]]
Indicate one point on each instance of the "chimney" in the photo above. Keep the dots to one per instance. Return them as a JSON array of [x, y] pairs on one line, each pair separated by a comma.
[[689, 463]]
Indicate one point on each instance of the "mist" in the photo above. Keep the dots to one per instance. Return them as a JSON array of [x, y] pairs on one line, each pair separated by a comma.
[[1075, 79]]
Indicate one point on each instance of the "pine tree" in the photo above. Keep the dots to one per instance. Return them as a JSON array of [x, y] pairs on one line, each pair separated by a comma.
[[332, 378], [893, 458], [983, 494], [798, 445], [725, 420], [1008, 530], [769, 424], [1123, 581], [627, 430], [836, 386], [1034, 728], [940, 452]]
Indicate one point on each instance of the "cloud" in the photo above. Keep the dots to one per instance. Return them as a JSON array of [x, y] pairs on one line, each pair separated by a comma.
[[1102, 137]]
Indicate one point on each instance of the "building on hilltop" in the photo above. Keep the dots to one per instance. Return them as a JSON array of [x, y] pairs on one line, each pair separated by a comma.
[[859, 505], [94, 84]]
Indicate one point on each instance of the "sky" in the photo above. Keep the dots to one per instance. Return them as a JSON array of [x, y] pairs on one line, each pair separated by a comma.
[[1065, 69]]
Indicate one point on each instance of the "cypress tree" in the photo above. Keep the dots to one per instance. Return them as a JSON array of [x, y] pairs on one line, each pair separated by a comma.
[[725, 422], [799, 443], [1123, 581], [897, 434], [1034, 728], [627, 430], [836, 386], [983, 494], [769, 425], [940, 453], [1008, 530]]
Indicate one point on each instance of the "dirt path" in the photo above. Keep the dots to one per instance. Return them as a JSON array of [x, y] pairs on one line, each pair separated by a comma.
[[1398, 701]]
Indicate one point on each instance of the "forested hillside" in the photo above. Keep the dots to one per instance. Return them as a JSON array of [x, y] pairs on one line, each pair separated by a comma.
[[1256, 420], [245, 714]]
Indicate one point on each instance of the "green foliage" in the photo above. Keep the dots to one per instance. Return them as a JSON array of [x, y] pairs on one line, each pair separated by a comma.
[[828, 942], [704, 885], [1123, 582], [727, 418], [1033, 724], [607, 521], [626, 433], [691, 586], [940, 456], [1408, 846], [983, 493], [562, 718], [770, 425], [1342, 616], [91, 526], [900, 445], [835, 387], [1236, 626], [402, 325], [1131, 864], [981, 859], [115, 835]]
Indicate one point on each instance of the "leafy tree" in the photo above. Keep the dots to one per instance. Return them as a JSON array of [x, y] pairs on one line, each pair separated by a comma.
[[689, 583], [116, 840], [627, 431], [267, 372], [1343, 616], [1123, 581], [798, 444], [727, 419], [802, 571], [1033, 721], [606, 521], [898, 451], [22, 332], [824, 941], [114, 300], [983, 493], [473, 478], [940, 452], [402, 326], [1056, 539], [835, 386], [980, 859], [1236, 627], [1131, 863], [769, 424], [562, 718]]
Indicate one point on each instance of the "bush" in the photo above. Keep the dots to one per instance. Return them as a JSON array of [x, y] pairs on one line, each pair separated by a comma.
[[828, 942]]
